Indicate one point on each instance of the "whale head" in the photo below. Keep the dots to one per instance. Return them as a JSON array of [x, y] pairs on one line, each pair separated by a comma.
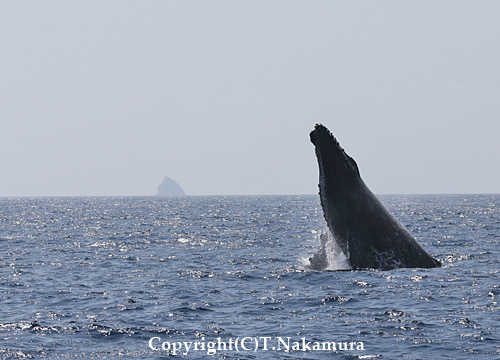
[[336, 168], [339, 184]]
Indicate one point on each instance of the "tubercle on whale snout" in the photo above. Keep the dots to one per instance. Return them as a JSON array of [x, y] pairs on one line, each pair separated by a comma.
[[320, 128]]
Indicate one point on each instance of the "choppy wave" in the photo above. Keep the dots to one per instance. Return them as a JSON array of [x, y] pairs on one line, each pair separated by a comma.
[[93, 278]]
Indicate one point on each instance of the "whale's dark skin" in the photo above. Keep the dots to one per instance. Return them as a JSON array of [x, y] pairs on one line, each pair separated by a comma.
[[366, 232]]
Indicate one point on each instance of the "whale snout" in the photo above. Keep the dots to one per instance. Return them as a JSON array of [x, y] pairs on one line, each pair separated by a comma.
[[321, 134]]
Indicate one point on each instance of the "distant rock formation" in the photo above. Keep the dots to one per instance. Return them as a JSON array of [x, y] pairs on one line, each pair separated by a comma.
[[169, 188]]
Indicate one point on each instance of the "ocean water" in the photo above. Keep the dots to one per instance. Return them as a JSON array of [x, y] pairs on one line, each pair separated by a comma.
[[227, 278]]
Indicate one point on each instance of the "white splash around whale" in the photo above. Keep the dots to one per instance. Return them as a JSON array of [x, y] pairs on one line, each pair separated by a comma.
[[328, 256]]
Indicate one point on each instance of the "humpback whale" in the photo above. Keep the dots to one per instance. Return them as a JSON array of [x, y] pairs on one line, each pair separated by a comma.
[[367, 234]]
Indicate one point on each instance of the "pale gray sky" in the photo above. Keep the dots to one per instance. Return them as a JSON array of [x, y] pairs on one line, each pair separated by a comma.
[[108, 97]]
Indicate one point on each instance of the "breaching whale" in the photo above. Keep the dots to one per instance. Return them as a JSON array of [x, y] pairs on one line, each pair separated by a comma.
[[368, 235]]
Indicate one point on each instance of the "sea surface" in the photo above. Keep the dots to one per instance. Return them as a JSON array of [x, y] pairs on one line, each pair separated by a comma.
[[134, 277]]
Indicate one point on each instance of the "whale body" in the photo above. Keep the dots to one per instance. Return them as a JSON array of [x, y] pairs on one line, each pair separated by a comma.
[[367, 234]]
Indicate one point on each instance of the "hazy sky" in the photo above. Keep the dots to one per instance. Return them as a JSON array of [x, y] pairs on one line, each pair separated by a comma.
[[108, 97]]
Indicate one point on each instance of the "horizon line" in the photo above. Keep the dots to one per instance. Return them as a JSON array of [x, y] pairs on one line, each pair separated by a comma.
[[219, 195]]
